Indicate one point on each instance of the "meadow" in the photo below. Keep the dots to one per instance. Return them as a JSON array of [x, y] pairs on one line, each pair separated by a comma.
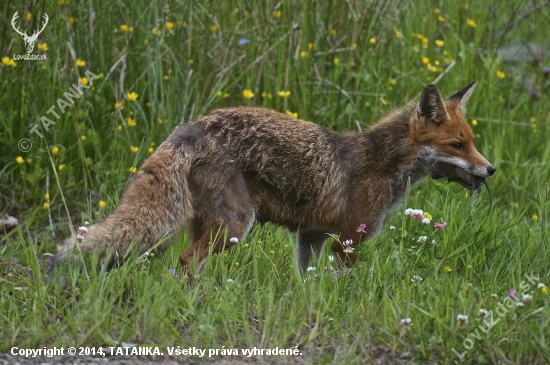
[[145, 67]]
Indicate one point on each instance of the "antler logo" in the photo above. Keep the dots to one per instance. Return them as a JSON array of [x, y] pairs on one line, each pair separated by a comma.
[[30, 41]]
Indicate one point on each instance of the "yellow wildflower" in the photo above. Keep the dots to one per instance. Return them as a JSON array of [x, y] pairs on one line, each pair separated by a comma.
[[501, 74], [383, 101], [80, 63], [134, 149], [293, 115], [47, 196], [102, 204], [311, 46], [160, 121], [43, 46], [303, 54], [392, 81], [28, 17], [535, 217], [336, 61], [213, 28], [267, 95], [55, 150], [9, 61], [61, 167], [248, 94], [425, 60], [283, 94], [169, 25], [424, 40], [46, 206], [437, 11], [397, 33], [427, 215], [439, 43], [332, 32], [448, 269], [71, 20], [441, 19], [119, 128], [474, 122], [132, 96], [151, 150], [131, 122], [544, 289], [124, 28], [19, 160], [84, 81], [133, 169], [118, 105], [372, 40], [471, 22], [277, 14]]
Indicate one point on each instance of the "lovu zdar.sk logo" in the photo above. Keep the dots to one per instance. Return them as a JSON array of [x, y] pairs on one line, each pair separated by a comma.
[[30, 41]]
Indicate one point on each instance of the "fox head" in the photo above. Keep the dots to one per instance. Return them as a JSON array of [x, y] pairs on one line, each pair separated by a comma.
[[440, 127]]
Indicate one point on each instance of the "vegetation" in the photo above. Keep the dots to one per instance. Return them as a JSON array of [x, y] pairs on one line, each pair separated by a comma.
[[147, 66]]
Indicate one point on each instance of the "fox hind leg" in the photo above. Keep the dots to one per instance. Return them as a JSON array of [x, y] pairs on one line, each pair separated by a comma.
[[223, 215], [309, 244]]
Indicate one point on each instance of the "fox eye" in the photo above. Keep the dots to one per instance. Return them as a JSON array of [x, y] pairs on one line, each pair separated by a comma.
[[459, 146]]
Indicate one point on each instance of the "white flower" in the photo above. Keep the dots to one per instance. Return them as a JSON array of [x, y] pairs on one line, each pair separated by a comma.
[[392, 227], [406, 322], [229, 280], [422, 239], [425, 221], [540, 286], [482, 312], [408, 211], [527, 298], [311, 269], [462, 320], [331, 258], [494, 295], [416, 278], [347, 246], [519, 304], [234, 240]]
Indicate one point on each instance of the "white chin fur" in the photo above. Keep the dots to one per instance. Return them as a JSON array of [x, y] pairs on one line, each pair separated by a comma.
[[457, 161]]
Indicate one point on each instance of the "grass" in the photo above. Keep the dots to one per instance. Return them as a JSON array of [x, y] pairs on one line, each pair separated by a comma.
[[345, 64]]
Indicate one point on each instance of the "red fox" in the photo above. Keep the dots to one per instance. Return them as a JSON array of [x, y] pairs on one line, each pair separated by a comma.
[[237, 166]]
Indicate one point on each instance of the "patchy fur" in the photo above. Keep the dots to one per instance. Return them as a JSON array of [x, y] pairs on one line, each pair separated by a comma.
[[238, 165]]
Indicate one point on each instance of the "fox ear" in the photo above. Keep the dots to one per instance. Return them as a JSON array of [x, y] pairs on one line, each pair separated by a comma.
[[464, 94], [431, 105]]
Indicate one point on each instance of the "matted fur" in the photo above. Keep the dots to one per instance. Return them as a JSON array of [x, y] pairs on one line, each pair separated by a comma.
[[238, 165]]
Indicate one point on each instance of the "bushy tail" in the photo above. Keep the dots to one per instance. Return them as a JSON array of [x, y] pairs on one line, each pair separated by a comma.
[[156, 203]]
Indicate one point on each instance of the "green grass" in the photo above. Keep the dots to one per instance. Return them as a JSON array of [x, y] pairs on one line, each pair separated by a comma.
[[253, 296]]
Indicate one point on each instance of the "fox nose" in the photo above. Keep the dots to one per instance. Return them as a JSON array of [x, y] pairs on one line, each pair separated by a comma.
[[491, 170]]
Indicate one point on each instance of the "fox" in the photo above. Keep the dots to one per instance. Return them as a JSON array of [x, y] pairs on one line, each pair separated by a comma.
[[237, 166]]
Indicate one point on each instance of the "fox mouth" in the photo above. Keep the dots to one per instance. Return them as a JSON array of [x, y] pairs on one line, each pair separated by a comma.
[[460, 176]]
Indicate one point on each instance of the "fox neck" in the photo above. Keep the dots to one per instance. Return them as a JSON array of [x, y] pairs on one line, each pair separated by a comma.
[[393, 152]]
